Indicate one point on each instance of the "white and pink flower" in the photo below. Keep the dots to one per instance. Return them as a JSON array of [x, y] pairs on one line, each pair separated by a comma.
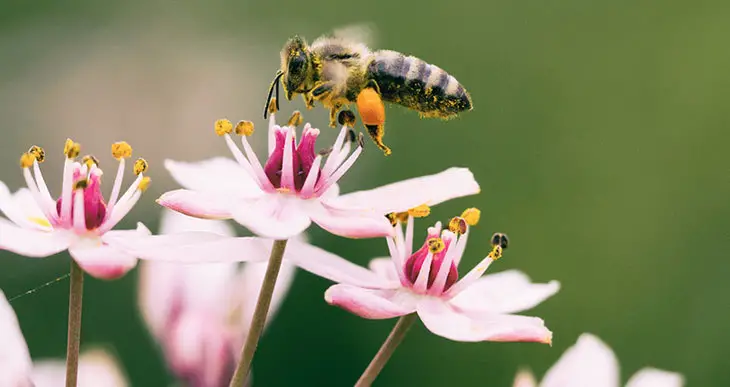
[[96, 367], [427, 282], [80, 220], [590, 362], [200, 313], [297, 186]]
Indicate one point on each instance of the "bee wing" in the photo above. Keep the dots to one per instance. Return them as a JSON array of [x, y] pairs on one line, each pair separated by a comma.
[[364, 33]]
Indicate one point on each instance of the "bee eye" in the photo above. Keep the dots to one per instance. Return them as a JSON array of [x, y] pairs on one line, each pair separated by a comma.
[[297, 63]]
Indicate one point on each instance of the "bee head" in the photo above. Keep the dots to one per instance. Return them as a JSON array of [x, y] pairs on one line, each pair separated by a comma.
[[296, 60]]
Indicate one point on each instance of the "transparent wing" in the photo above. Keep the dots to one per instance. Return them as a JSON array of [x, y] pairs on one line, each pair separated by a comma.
[[357, 33]]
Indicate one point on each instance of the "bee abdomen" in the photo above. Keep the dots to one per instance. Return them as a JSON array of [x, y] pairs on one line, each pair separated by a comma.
[[415, 84]]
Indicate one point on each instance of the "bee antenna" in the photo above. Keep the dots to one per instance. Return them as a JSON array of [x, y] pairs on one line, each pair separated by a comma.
[[274, 84]]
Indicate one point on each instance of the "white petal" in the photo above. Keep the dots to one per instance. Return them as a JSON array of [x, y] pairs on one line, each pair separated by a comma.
[[652, 377], [505, 292], [31, 243], [15, 363], [369, 303], [404, 195], [96, 368], [205, 205], [275, 216], [350, 223], [248, 287], [22, 209], [100, 260], [589, 362], [219, 175], [384, 268], [173, 222], [525, 378]]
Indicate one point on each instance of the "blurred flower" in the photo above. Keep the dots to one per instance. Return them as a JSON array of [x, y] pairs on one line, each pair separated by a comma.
[[200, 313], [79, 220], [590, 362], [296, 186], [96, 367], [427, 282]]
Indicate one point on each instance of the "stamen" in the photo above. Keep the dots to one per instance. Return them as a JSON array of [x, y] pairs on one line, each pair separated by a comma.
[[121, 150], [308, 187], [140, 166], [272, 106], [71, 149], [393, 218], [435, 245], [223, 126], [38, 153], [347, 118], [26, 160], [499, 243], [421, 211], [90, 160], [295, 119], [409, 237], [79, 210], [458, 225], [244, 128], [421, 282], [144, 183], [471, 216], [81, 184]]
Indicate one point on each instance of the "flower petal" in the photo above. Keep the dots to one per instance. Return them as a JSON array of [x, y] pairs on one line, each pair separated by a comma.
[[368, 303], [96, 368], [173, 222], [275, 216], [404, 195], [31, 243], [505, 292], [351, 224], [652, 377], [384, 268], [218, 175], [206, 205], [22, 209], [102, 261], [525, 378], [443, 320], [15, 363], [332, 267], [589, 362]]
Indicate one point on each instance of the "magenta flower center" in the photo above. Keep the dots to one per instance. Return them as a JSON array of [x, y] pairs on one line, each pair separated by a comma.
[[414, 265], [94, 205], [303, 156]]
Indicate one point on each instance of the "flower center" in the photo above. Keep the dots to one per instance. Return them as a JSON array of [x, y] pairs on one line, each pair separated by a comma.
[[438, 248], [94, 204], [302, 156]]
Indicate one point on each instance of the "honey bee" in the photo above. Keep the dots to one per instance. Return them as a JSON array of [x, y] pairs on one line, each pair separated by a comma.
[[341, 70]]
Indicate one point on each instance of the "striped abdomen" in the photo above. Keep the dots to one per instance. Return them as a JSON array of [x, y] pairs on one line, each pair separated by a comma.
[[415, 84]]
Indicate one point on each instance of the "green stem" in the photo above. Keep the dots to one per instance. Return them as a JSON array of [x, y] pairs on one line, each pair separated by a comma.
[[386, 350], [76, 293], [259, 315]]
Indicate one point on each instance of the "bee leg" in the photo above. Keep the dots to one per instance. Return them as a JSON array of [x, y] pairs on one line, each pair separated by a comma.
[[308, 100], [333, 114], [372, 112], [322, 90]]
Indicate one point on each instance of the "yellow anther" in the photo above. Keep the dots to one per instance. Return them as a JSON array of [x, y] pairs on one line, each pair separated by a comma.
[[81, 184], [90, 160], [295, 119], [393, 218], [223, 127], [471, 215], [71, 149], [26, 160], [38, 153], [244, 128], [121, 150], [421, 211], [499, 243], [144, 183], [458, 225], [496, 252], [140, 166], [272, 106], [346, 117], [435, 245]]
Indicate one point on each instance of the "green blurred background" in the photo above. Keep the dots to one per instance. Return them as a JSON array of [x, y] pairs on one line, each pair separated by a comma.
[[599, 136]]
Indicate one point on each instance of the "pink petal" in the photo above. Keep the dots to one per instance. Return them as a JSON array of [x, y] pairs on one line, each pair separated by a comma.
[[173, 222], [443, 320], [368, 303], [525, 378], [384, 268], [102, 261], [330, 266], [505, 292], [199, 204], [589, 362], [15, 363], [403, 195], [652, 377], [275, 216], [32, 243], [351, 224], [216, 175]]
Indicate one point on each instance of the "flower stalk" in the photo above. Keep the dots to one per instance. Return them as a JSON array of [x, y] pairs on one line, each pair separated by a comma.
[[76, 292], [386, 350], [260, 313]]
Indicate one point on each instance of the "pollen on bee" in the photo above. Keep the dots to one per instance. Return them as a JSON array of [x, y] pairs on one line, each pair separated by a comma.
[[244, 128], [346, 117], [144, 183], [421, 211], [121, 150], [295, 119], [26, 160], [71, 149], [223, 127], [435, 245], [38, 153], [272, 106], [140, 166], [90, 160], [458, 225], [471, 215]]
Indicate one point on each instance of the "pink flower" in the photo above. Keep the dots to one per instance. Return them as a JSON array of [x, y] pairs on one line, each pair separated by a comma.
[[427, 282], [297, 186], [590, 362], [79, 220], [199, 313], [96, 367]]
